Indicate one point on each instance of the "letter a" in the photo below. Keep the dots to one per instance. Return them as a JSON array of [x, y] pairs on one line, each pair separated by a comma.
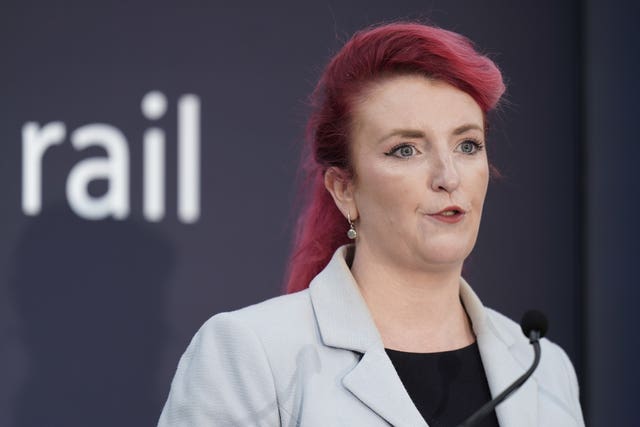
[[114, 168]]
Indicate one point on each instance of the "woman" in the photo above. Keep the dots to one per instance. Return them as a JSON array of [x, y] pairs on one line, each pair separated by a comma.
[[383, 330]]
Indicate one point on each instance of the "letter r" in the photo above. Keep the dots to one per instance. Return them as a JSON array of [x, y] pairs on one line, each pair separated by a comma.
[[35, 141]]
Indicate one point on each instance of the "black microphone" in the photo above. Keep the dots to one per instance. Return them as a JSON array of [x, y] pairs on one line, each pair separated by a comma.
[[534, 326]]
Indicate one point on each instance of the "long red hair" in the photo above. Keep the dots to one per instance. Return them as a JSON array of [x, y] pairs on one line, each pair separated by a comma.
[[398, 48]]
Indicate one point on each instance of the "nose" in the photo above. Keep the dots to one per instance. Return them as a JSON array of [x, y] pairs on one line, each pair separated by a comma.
[[444, 173]]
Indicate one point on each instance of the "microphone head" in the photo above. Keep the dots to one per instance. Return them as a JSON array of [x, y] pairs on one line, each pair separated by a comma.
[[534, 320]]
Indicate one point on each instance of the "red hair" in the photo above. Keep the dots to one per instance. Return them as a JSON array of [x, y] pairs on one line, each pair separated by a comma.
[[371, 54]]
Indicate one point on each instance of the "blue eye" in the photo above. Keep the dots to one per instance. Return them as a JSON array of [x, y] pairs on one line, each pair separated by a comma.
[[402, 151], [470, 146]]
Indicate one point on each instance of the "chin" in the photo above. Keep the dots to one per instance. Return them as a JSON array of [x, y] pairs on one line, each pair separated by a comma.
[[450, 255]]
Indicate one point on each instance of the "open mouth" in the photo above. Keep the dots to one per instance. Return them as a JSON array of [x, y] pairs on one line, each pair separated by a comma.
[[449, 214]]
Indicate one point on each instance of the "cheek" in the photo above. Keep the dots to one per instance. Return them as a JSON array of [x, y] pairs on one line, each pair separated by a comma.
[[478, 179], [382, 191]]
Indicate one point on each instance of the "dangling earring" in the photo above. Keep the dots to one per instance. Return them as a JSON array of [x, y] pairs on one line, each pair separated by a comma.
[[351, 233]]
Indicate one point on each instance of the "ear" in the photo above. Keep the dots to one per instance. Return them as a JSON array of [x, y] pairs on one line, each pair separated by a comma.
[[341, 188]]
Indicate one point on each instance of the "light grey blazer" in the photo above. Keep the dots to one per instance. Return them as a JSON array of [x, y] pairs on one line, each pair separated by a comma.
[[315, 358]]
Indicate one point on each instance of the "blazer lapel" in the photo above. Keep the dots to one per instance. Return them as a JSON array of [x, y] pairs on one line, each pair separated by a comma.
[[344, 322], [499, 352], [375, 382]]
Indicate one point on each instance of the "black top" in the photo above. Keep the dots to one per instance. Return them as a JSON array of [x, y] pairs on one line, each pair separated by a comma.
[[446, 387]]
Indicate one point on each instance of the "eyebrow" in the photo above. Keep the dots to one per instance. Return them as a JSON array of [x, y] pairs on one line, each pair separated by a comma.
[[416, 133], [405, 133], [467, 127]]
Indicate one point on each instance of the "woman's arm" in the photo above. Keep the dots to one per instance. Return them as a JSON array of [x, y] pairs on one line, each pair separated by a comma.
[[575, 390]]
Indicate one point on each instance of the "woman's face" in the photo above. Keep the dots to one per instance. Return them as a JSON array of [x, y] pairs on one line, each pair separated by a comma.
[[421, 171]]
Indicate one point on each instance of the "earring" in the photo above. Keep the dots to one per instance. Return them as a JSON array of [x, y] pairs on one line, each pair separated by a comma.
[[351, 233]]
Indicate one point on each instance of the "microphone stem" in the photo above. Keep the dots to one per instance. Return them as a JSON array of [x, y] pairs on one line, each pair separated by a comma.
[[490, 406]]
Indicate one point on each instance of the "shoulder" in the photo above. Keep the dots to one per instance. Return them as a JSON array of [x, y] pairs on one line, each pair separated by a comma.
[[276, 328], [252, 327], [286, 313], [553, 356], [555, 375], [505, 326], [226, 374]]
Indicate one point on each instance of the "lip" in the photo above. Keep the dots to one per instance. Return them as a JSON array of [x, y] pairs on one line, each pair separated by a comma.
[[449, 219]]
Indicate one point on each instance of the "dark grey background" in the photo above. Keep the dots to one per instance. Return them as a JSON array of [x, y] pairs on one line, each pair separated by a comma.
[[95, 314]]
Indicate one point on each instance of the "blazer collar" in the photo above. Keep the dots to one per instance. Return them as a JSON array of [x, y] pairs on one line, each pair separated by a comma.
[[344, 321], [501, 357]]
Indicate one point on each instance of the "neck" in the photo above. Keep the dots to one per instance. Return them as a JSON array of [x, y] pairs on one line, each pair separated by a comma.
[[415, 309]]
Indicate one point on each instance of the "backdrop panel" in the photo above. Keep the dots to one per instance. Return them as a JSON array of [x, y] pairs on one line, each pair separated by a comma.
[[146, 171]]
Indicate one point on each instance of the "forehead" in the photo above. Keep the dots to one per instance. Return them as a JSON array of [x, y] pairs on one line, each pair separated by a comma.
[[414, 101]]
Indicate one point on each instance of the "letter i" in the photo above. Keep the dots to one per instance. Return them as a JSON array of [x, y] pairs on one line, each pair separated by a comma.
[[154, 106], [189, 158]]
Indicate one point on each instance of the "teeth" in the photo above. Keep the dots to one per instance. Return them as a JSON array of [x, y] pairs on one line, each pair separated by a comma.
[[448, 213]]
